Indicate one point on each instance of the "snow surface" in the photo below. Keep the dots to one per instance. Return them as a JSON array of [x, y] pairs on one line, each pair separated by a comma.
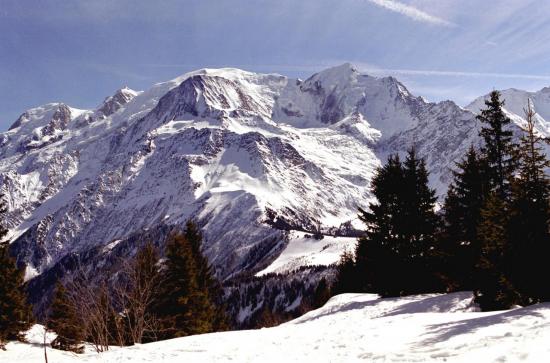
[[308, 251], [349, 328]]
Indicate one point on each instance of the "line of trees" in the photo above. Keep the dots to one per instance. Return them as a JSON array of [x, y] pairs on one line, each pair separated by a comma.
[[148, 299], [491, 236]]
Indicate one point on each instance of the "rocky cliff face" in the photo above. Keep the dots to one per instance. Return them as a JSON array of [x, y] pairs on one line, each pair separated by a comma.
[[245, 155]]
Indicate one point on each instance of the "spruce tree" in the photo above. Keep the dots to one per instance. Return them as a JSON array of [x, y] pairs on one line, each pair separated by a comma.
[[321, 294], [498, 147], [462, 211], [65, 321], [15, 312], [395, 256], [494, 289], [184, 305], [347, 279], [530, 213], [419, 222], [418, 226], [378, 248], [206, 279]]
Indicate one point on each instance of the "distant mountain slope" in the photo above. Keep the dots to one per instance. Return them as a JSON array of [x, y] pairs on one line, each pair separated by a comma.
[[248, 156]]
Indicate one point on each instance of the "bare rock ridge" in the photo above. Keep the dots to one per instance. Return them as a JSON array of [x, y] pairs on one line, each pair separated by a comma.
[[246, 155]]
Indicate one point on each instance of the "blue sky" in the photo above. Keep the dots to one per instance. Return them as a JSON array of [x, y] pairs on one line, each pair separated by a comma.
[[79, 52]]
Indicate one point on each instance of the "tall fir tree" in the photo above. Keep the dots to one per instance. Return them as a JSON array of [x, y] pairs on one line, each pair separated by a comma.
[[378, 248], [530, 214], [206, 279], [419, 221], [498, 148], [64, 320], [184, 304], [419, 226], [462, 213], [494, 290], [395, 256], [15, 312]]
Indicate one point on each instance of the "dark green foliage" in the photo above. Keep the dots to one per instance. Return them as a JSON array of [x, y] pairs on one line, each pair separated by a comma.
[[494, 288], [321, 295], [15, 312], [395, 257], [498, 149], [530, 214], [347, 279], [418, 223], [377, 249], [184, 305], [66, 322], [206, 280], [513, 230], [462, 211]]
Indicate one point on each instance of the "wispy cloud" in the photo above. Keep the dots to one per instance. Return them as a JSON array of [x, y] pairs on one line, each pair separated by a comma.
[[411, 12], [368, 68], [430, 73]]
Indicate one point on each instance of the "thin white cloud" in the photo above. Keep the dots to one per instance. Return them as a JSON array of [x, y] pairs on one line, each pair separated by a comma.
[[367, 68], [413, 72], [411, 12]]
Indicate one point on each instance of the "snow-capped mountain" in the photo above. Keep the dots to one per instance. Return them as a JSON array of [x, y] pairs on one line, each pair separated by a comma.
[[515, 103], [248, 156]]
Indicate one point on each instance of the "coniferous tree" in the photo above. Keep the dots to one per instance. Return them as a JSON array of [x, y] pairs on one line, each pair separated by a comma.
[[498, 147], [321, 294], [419, 221], [494, 289], [184, 305], [15, 312], [347, 279], [419, 226], [462, 211], [378, 248], [395, 256], [530, 214], [206, 280], [65, 321]]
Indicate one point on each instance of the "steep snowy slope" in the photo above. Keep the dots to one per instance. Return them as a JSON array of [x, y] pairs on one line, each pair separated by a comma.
[[305, 250], [248, 156], [349, 328]]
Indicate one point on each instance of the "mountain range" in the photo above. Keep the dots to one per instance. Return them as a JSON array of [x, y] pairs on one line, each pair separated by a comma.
[[248, 156]]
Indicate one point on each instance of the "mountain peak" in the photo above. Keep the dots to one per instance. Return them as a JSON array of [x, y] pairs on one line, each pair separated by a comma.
[[338, 76], [113, 103]]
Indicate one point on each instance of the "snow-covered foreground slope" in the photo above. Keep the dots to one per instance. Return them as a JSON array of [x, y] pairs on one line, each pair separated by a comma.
[[349, 328]]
